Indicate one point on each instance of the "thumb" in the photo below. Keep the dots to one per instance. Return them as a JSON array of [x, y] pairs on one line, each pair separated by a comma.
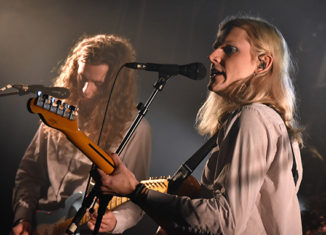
[[117, 162], [116, 159], [119, 165]]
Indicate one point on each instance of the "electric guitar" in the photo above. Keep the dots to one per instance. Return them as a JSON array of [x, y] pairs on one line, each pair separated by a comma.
[[63, 117]]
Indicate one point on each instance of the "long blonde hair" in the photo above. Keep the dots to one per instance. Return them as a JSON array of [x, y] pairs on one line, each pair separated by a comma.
[[113, 51], [273, 87]]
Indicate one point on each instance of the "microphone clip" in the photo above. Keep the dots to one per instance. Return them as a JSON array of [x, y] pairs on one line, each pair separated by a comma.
[[25, 89], [20, 90]]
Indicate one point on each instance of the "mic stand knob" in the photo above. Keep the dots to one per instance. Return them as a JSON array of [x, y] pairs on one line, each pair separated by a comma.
[[87, 202]]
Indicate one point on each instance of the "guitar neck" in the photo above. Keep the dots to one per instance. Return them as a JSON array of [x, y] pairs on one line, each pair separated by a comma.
[[91, 150], [62, 117], [159, 184]]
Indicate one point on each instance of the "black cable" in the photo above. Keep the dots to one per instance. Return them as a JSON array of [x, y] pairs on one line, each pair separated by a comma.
[[103, 198], [103, 122], [107, 104]]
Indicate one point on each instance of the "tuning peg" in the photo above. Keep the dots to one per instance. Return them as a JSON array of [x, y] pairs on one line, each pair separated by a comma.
[[51, 102], [45, 101], [45, 96], [52, 99], [38, 100], [72, 111], [59, 102], [65, 106], [65, 109]]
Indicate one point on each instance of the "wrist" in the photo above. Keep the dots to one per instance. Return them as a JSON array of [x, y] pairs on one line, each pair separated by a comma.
[[139, 193], [19, 221], [134, 184], [22, 226]]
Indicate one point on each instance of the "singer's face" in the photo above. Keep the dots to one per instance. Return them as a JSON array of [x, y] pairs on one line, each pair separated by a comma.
[[91, 78], [232, 60]]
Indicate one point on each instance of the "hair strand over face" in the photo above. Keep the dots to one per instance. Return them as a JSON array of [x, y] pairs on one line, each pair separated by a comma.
[[113, 51]]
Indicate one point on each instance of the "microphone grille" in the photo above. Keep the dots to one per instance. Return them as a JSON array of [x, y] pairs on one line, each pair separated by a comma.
[[195, 71]]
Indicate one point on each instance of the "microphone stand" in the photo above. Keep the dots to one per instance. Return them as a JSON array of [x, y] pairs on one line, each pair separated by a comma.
[[11, 93], [96, 192], [20, 92]]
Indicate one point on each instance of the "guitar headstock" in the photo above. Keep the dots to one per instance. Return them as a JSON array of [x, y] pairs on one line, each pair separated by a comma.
[[54, 113]]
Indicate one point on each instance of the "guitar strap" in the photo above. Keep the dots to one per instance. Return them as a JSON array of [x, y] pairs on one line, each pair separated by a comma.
[[294, 165], [294, 169], [190, 165]]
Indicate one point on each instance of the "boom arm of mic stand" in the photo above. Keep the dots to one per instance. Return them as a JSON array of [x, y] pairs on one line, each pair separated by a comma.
[[143, 108], [10, 93]]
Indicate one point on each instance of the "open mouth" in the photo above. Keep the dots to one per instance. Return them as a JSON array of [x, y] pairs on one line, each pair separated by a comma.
[[214, 72]]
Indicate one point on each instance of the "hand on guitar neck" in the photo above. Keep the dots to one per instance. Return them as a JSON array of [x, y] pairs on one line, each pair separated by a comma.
[[122, 181]]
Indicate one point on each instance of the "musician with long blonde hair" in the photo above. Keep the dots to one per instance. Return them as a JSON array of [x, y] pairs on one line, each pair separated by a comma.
[[251, 180]]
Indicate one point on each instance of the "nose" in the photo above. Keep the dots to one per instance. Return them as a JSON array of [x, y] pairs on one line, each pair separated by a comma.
[[216, 56], [89, 89]]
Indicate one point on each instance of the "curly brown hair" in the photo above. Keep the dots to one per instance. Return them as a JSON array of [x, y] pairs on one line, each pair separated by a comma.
[[114, 51]]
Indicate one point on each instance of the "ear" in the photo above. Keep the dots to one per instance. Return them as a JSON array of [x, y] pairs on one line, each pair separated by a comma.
[[264, 63]]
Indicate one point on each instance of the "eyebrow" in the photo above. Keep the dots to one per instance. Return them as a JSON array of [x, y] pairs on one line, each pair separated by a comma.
[[229, 41]]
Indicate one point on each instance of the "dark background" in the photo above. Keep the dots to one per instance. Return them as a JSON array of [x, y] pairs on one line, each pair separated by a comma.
[[36, 35]]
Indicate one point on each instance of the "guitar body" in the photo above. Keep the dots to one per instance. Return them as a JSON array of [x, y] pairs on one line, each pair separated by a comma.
[[55, 222], [189, 187]]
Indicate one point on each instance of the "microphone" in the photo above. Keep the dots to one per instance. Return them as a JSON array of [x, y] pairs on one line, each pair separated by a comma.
[[58, 92], [195, 71]]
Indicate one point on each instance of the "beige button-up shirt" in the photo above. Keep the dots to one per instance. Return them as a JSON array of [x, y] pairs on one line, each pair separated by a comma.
[[52, 169], [247, 184]]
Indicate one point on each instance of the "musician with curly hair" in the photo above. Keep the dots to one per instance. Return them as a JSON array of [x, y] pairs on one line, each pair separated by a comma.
[[53, 169]]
